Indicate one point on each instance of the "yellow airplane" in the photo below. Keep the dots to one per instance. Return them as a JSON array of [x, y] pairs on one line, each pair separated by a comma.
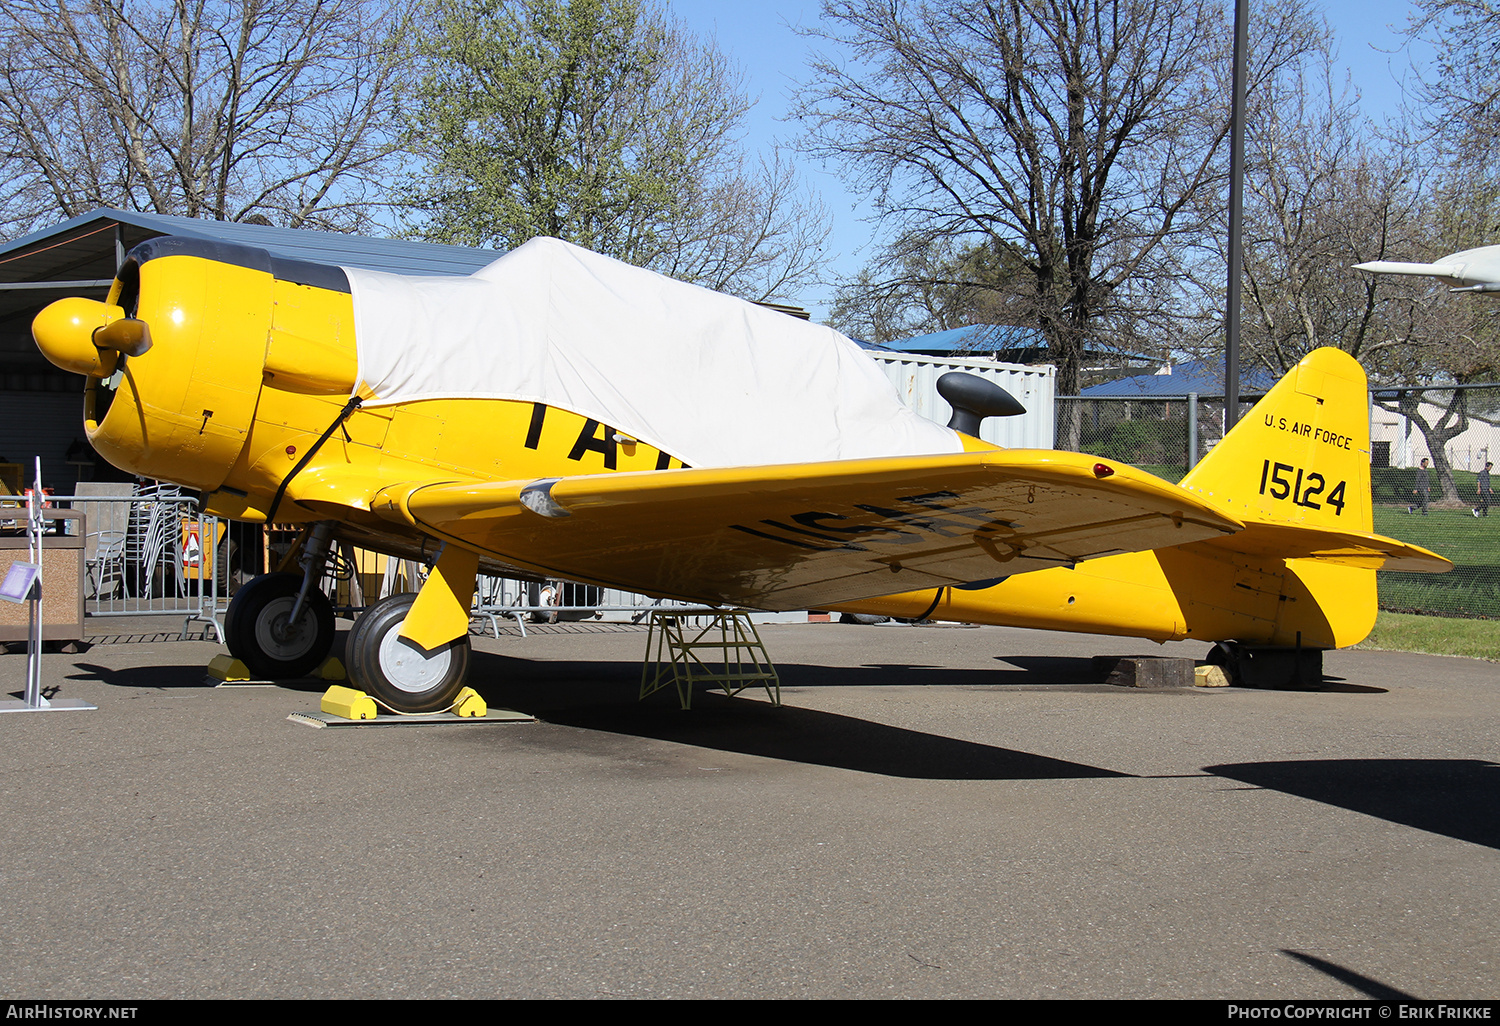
[[562, 415]]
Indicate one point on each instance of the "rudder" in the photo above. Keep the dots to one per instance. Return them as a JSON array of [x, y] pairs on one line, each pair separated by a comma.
[[1302, 454]]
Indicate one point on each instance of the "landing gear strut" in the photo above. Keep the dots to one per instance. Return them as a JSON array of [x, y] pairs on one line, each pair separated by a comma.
[[280, 625]]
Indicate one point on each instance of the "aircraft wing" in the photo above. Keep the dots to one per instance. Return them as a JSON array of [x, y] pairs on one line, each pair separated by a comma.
[[805, 535]]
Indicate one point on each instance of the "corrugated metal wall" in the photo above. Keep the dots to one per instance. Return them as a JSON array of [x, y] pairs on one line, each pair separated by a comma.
[[915, 377], [42, 424]]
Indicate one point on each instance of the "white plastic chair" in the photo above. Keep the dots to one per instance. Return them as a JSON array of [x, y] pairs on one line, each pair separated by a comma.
[[107, 563]]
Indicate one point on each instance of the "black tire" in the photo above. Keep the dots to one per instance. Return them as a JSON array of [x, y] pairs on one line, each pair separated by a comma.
[[1226, 656], [257, 638], [867, 619], [398, 672], [224, 555]]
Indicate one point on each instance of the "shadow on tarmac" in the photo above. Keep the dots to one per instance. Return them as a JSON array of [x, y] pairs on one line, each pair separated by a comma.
[[174, 676], [1037, 671], [1365, 985], [602, 696], [1458, 798], [822, 739], [168, 676]]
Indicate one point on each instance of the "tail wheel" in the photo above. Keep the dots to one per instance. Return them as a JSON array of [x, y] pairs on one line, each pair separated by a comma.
[[1226, 655], [397, 671], [259, 634]]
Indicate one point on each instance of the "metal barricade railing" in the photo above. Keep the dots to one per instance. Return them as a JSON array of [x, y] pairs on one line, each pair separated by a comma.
[[501, 598], [150, 553]]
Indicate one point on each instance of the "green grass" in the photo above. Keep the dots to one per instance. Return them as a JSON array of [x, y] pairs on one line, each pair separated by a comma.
[[1463, 591], [1435, 635], [1455, 533], [1439, 530], [1472, 588], [1393, 484]]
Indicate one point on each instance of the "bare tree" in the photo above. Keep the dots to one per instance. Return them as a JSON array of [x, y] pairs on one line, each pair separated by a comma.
[[932, 285], [1075, 136], [280, 109], [1325, 189], [756, 234], [1459, 92], [607, 124], [1429, 339], [1322, 192]]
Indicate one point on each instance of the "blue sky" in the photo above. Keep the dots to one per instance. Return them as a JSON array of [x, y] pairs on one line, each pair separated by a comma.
[[763, 38]]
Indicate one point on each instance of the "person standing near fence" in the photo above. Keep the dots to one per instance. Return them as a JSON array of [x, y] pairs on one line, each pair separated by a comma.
[[1421, 487], [1484, 492]]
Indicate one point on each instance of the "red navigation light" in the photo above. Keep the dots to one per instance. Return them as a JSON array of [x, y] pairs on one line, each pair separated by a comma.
[[1103, 470]]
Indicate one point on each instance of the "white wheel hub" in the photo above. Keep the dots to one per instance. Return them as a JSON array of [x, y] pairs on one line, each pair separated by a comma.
[[409, 668]]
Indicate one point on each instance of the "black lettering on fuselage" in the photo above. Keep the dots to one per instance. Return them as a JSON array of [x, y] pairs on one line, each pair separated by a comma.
[[534, 432], [590, 440]]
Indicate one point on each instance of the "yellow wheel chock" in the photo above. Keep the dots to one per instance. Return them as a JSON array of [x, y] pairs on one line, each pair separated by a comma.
[[352, 704], [348, 703]]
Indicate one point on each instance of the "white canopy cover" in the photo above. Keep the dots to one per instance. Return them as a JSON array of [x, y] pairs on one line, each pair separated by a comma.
[[713, 380]]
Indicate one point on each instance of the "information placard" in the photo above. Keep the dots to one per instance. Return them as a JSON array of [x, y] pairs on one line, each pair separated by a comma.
[[20, 582]]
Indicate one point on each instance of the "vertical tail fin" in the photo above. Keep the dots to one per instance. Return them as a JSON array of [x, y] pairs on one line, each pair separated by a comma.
[[1302, 455]]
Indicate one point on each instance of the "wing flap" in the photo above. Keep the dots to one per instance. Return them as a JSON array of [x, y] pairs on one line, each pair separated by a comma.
[[807, 535]]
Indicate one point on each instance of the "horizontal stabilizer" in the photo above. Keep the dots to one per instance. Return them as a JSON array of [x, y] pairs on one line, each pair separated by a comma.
[[1347, 548]]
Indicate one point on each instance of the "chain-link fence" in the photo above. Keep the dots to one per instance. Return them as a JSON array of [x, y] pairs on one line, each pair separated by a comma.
[[1163, 435], [1444, 508]]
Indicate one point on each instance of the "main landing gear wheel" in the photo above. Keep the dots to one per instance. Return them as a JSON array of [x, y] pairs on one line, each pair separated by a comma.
[[259, 635], [397, 671]]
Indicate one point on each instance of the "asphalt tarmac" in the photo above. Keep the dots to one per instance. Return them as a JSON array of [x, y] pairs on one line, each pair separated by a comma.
[[935, 812]]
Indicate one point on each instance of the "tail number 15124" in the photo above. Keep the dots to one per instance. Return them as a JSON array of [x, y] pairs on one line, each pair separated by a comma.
[[1276, 480]]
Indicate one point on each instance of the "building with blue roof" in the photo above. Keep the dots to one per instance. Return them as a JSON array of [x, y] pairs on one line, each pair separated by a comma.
[[1197, 377], [1004, 343]]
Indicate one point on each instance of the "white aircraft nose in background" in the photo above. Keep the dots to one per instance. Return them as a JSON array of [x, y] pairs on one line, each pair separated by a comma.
[[1473, 270]]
